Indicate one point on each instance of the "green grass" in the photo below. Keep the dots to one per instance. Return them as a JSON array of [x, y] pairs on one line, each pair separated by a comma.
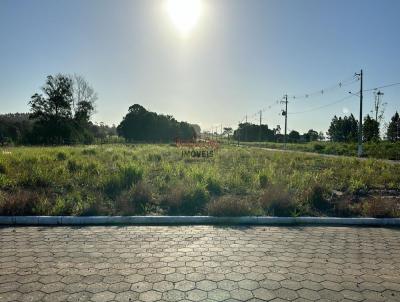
[[380, 150], [155, 179]]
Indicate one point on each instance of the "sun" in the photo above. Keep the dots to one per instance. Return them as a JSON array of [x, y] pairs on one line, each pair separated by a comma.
[[184, 14]]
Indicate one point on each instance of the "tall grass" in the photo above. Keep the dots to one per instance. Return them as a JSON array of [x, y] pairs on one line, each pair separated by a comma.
[[142, 179]]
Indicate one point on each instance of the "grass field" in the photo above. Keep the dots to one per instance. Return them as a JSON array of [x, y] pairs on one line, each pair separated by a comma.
[[156, 179], [382, 149]]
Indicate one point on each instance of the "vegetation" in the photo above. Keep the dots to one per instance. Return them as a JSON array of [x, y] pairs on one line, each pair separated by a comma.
[[156, 179], [374, 149], [144, 126]]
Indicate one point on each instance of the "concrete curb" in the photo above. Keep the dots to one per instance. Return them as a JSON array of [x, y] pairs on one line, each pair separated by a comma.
[[188, 220]]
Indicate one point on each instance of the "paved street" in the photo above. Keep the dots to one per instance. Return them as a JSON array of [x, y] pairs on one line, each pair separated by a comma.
[[199, 263]]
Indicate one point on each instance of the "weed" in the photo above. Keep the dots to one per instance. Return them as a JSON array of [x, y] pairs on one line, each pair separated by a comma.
[[229, 205], [61, 156], [277, 201]]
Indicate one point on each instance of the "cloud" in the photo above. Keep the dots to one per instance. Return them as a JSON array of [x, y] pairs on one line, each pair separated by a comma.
[[345, 110]]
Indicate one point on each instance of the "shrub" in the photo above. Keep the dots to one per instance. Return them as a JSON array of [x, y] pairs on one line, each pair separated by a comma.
[[61, 156], [3, 169], [263, 179], [379, 207], [73, 166], [229, 205], [188, 200], [20, 202], [213, 186], [277, 200], [135, 200], [318, 147], [314, 195], [89, 151], [123, 179]]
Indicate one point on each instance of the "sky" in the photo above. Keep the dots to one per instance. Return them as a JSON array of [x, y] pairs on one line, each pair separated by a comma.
[[242, 56]]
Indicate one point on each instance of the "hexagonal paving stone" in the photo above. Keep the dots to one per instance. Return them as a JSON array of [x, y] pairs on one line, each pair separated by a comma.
[[241, 294], [141, 286], [196, 295], [264, 294], [150, 296], [185, 285], [218, 294], [206, 285]]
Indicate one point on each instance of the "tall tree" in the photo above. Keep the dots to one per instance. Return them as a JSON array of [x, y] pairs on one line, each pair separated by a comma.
[[84, 98], [370, 129], [56, 100], [56, 118], [393, 130], [343, 129]]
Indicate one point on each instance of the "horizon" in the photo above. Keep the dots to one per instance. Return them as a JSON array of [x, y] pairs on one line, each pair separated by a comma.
[[237, 58]]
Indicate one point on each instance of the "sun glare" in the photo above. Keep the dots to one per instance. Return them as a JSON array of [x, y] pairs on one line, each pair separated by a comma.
[[184, 14]]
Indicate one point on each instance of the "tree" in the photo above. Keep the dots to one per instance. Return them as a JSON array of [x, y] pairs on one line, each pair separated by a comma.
[[56, 102], [311, 135], [294, 136], [393, 130], [55, 119], [343, 129], [370, 129], [142, 125], [84, 98]]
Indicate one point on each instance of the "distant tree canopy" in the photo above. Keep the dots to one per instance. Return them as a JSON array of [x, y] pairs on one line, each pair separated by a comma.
[[62, 112], [393, 130], [343, 129], [142, 125], [251, 132], [370, 129], [15, 128]]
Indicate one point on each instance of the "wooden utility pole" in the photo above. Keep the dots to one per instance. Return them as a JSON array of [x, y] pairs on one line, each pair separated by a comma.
[[360, 128], [285, 114], [377, 103], [260, 126]]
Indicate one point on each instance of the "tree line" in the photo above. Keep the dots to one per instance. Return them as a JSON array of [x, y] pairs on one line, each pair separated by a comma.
[[61, 114]]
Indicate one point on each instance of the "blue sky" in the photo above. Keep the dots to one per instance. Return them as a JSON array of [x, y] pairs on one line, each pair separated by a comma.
[[242, 56]]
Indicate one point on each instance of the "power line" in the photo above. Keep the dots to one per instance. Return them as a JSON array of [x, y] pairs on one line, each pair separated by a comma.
[[380, 87], [320, 107]]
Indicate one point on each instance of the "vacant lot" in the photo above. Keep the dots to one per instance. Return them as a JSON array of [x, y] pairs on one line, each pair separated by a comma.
[[156, 179], [382, 149]]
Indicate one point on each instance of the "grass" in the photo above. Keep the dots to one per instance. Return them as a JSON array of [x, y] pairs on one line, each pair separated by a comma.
[[157, 180], [380, 150]]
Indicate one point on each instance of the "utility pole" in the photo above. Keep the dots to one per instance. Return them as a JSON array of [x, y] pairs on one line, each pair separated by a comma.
[[245, 130], [360, 129], [239, 134], [377, 103], [285, 114], [260, 126]]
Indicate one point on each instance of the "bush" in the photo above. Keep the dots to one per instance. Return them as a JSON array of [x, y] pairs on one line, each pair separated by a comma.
[[73, 166], [89, 151], [319, 147], [263, 179], [61, 156], [229, 205], [379, 207], [187, 200], [122, 180], [278, 201], [314, 195], [213, 186], [3, 169], [21, 202], [135, 200]]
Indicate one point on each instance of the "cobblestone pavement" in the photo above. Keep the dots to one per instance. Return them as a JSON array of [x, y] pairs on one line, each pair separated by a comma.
[[199, 263]]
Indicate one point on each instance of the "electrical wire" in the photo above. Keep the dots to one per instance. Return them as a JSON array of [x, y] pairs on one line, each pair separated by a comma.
[[321, 107]]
